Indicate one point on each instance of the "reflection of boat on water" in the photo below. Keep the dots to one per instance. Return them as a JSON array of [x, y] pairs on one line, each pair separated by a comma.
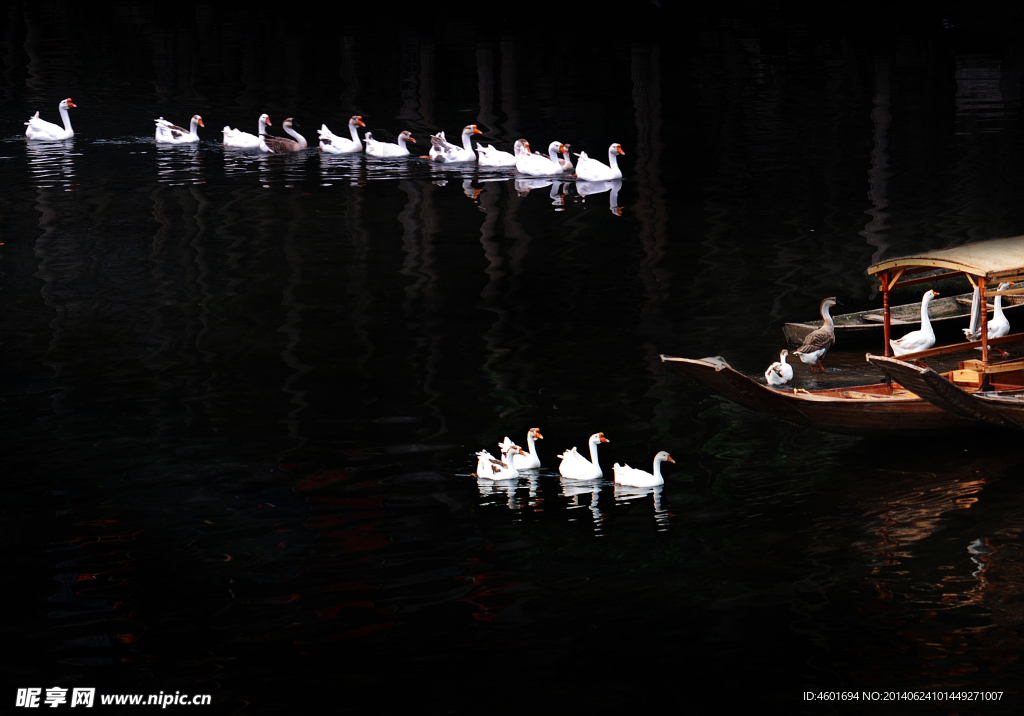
[[986, 392]]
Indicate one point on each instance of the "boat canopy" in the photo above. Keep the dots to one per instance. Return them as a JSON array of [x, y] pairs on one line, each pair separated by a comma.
[[993, 260]]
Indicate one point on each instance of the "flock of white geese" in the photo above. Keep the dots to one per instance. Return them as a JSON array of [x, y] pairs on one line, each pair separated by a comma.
[[514, 460], [556, 162]]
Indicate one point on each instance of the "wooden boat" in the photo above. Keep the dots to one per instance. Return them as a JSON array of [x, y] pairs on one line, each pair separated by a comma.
[[948, 316], [893, 406]]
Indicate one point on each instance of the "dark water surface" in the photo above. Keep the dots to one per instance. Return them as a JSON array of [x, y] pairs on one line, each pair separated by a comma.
[[241, 394]]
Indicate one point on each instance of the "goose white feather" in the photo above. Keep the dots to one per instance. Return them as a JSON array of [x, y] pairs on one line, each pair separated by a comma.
[[576, 466], [780, 372], [238, 139], [42, 131], [490, 157], [589, 169], [441, 150], [998, 327], [921, 339], [493, 469], [626, 475], [167, 133], [333, 144], [537, 164], [525, 461], [388, 149]]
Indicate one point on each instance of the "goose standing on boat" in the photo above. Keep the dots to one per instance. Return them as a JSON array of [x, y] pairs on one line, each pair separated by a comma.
[[530, 460], [589, 169], [281, 145], [42, 131], [921, 339], [578, 467], [237, 139], [780, 372], [626, 475], [388, 149], [817, 342], [441, 150], [333, 144], [504, 469], [998, 327], [167, 133]]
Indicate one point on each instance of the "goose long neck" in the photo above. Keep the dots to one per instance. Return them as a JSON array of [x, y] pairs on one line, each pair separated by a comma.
[[401, 141], [533, 445], [657, 467], [825, 316], [65, 117], [262, 129], [997, 311], [553, 154], [467, 143], [193, 126], [613, 158], [925, 323], [354, 133], [298, 137], [593, 453]]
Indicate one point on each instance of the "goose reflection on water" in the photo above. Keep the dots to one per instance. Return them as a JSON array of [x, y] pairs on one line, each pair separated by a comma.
[[586, 188], [179, 164], [51, 164]]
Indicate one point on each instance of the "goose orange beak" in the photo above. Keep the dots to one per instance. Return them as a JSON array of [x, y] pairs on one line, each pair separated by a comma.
[[361, 122], [201, 122], [669, 458], [70, 103], [269, 123], [412, 139], [476, 131], [604, 439], [619, 150]]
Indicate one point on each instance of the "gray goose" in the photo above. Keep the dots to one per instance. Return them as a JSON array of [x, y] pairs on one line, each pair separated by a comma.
[[817, 342], [282, 145]]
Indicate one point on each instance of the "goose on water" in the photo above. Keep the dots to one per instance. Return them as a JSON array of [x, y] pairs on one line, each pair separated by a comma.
[[530, 460], [167, 133], [333, 144], [388, 149], [589, 169], [578, 467], [626, 475], [493, 469], [237, 139], [441, 150], [42, 131], [281, 145]]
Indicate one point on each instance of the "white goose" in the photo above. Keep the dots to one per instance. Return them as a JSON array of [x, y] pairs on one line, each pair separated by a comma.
[[441, 150], [817, 342], [387, 149], [238, 139], [504, 469], [281, 145], [578, 467], [167, 133], [780, 372], [526, 461], [998, 327], [566, 160], [921, 339], [626, 475], [537, 164], [490, 157], [589, 169], [333, 144], [43, 131]]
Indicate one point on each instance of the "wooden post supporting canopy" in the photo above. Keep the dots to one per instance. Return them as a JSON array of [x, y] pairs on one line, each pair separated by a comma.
[[982, 299], [886, 314]]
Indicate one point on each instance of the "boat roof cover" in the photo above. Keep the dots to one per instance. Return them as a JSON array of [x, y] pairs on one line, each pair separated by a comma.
[[991, 259]]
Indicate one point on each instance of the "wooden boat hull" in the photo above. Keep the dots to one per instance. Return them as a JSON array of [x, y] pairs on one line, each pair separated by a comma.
[[870, 410], [948, 317], [1004, 408]]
